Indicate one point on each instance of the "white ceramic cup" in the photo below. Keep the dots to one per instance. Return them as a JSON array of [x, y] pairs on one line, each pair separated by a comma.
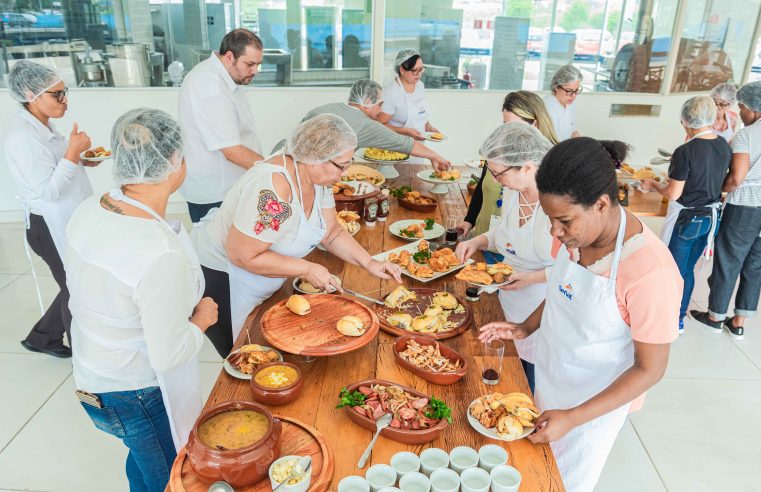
[[462, 457], [491, 455], [405, 462], [380, 477], [445, 480], [432, 459], [389, 489], [414, 482], [475, 480], [505, 478], [353, 483]]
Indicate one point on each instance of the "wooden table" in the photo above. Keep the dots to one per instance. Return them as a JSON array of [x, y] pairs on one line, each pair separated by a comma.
[[646, 204], [326, 376]]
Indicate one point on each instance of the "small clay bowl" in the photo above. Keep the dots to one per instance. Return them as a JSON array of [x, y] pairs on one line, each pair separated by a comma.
[[277, 396], [443, 378]]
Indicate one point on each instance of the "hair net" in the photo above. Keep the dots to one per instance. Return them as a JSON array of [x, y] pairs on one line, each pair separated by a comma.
[[28, 80], [514, 144], [321, 139], [365, 92], [565, 75], [725, 92], [750, 96], [402, 57], [146, 145], [698, 112]]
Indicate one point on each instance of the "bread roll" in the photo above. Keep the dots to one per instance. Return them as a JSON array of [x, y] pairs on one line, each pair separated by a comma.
[[445, 300], [351, 326], [402, 320], [298, 305]]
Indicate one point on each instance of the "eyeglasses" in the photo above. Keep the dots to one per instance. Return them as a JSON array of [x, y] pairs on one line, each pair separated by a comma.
[[721, 104], [571, 92], [417, 71], [59, 95], [497, 175], [344, 166]]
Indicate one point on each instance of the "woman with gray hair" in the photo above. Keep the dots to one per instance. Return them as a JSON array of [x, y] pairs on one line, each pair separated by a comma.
[[564, 86], [513, 154], [727, 121], [136, 301], [274, 216], [696, 173]]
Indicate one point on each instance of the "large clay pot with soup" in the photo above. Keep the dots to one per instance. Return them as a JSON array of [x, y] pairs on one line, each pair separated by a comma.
[[241, 457]]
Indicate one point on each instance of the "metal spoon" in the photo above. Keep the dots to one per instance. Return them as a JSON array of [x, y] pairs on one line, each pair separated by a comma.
[[221, 487], [380, 424], [304, 465]]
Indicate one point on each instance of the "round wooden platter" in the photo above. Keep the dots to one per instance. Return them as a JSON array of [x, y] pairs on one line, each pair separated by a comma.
[[315, 334], [297, 439], [424, 296]]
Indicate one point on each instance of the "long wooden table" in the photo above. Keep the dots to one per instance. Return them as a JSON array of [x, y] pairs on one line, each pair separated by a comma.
[[326, 376], [644, 204]]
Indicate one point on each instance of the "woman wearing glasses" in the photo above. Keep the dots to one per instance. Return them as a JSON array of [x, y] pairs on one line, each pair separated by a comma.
[[404, 108], [274, 216], [727, 121], [565, 86], [51, 182]]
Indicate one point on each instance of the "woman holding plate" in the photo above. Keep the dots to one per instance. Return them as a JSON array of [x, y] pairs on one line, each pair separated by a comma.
[[513, 153], [274, 216]]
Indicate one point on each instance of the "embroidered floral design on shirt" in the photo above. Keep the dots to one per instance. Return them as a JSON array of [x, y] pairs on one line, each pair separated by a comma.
[[272, 212]]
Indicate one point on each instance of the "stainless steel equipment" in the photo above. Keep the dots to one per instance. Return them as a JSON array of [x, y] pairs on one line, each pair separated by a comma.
[[130, 64], [276, 69]]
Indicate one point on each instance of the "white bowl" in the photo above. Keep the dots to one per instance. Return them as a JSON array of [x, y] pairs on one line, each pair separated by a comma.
[[389, 489], [505, 478], [380, 477], [414, 482], [432, 459], [445, 480], [302, 486], [353, 483], [405, 462], [462, 458], [475, 480], [491, 455]]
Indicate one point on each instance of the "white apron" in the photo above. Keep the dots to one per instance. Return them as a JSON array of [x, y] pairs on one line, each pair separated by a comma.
[[729, 131], [248, 290], [181, 386], [582, 347], [516, 244], [417, 117]]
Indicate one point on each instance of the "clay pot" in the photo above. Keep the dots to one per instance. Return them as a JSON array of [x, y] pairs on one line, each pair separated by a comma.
[[277, 396], [238, 467], [443, 378]]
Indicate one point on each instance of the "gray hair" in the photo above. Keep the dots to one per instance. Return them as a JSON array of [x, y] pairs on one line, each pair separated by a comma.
[[566, 74], [320, 139]]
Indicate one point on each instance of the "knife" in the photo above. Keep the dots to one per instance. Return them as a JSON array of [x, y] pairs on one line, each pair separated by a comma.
[[362, 296]]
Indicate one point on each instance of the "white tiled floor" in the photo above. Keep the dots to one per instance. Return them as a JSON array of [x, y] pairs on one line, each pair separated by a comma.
[[699, 430]]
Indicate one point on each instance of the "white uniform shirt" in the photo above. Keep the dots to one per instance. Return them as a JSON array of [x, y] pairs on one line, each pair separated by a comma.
[[48, 184], [564, 118], [132, 290], [395, 100], [214, 115]]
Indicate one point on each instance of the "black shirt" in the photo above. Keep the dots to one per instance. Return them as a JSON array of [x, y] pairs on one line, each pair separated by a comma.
[[702, 164]]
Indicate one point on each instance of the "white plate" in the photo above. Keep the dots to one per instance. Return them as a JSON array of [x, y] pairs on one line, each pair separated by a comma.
[[360, 187], [412, 248], [425, 175], [395, 229], [361, 155], [489, 289], [232, 371], [473, 163], [657, 161], [296, 286], [93, 159], [491, 433], [429, 137]]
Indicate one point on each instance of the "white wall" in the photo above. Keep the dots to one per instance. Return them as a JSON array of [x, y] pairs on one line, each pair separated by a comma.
[[466, 117]]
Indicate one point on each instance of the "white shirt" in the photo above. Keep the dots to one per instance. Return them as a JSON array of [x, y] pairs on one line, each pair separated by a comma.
[[48, 184], [132, 289], [564, 118], [214, 115], [397, 101]]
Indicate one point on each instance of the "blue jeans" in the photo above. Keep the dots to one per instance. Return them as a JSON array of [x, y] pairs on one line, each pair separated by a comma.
[[197, 211], [688, 241], [140, 420], [528, 368]]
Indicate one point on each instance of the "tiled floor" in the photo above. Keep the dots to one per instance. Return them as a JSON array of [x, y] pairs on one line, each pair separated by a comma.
[[700, 429]]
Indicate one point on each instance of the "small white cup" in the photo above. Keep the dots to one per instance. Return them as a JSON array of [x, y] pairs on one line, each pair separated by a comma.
[[389, 489], [432, 459], [445, 480], [505, 478], [405, 462], [380, 477], [475, 480], [491, 455], [353, 483], [414, 482], [462, 457]]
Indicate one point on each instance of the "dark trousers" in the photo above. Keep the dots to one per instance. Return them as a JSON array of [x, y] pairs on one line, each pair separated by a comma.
[[218, 288], [48, 332], [528, 368], [737, 253], [198, 210]]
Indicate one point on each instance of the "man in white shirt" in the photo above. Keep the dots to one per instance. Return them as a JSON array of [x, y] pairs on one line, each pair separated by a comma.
[[220, 140]]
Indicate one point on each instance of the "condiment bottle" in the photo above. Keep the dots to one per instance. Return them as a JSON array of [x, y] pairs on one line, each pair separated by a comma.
[[383, 206], [371, 212], [471, 294]]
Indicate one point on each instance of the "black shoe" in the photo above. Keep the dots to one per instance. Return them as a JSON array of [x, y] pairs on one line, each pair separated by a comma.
[[62, 352], [736, 332], [702, 318]]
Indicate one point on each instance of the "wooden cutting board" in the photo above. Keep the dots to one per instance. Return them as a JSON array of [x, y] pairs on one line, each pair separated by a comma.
[[462, 320], [297, 439], [315, 334]]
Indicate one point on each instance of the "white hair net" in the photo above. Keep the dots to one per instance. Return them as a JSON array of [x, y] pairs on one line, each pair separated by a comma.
[[402, 57], [698, 112], [725, 92], [28, 80], [320, 139], [146, 146], [750, 96], [514, 144], [365, 92], [565, 75]]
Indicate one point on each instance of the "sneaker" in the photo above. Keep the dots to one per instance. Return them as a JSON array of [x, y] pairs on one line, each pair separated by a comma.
[[62, 352], [736, 332], [681, 325], [702, 318]]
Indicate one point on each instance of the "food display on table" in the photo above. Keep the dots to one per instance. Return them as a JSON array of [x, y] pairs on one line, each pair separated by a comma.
[[286, 469], [503, 417], [485, 274], [429, 359], [451, 175], [472, 184], [380, 155], [97, 152], [436, 136], [437, 314], [277, 383], [358, 172], [351, 326], [412, 229], [343, 189], [349, 220], [276, 376], [233, 430], [419, 262], [297, 304], [245, 360], [305, 287], [414, 200]]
